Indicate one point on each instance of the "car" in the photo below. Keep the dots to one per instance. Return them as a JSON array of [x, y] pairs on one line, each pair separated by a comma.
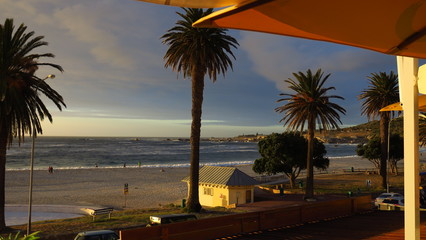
[[97, 235], [382, 196], [170, 218], [394, 201], [392, 204]]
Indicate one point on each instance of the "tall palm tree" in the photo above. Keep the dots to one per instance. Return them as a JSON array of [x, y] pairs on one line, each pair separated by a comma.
[[21, 108], [196, 52], [382, 91], [310, 105]]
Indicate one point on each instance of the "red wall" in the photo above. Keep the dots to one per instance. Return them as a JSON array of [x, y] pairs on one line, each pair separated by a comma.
[[211, 228]]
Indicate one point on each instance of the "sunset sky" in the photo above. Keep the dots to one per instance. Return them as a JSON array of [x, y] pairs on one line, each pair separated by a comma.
[[115, 83]]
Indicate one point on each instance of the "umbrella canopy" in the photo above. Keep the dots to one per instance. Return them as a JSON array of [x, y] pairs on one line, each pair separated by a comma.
[[398, 106], [396, 27], [393, 27], [196, 3]]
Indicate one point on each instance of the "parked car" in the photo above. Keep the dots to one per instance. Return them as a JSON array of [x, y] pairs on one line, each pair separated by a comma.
[[382, 196], [170, 218], [394, 201], [97, 235]]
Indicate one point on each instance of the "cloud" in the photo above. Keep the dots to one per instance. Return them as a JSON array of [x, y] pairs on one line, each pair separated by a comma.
[[90, 126], [114, 69], [277, 57], [82, 21], [11, 7], [111, 52]]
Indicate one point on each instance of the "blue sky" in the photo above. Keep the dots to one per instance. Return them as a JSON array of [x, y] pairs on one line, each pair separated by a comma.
[[115, 83]]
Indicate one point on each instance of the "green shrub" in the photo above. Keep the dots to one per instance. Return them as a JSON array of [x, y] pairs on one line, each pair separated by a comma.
[[32, 236]]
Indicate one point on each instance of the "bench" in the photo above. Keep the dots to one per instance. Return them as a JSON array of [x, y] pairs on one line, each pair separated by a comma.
[[102, 211]]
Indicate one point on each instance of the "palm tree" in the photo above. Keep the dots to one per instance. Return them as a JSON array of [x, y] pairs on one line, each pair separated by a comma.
[[21, 108], [382, 91], [310, 104], [196, 52]]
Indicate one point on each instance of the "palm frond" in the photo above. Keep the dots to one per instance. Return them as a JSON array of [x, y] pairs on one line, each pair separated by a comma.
[[310, 101], [209, 49], [21, 108], [382, 91]]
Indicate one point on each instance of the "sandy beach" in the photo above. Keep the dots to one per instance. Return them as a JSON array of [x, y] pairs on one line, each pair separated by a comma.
[[67, 191], [97, 187], [148, 187]]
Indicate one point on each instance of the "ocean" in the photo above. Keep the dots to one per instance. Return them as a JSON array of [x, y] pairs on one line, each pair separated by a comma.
[[117, 152]]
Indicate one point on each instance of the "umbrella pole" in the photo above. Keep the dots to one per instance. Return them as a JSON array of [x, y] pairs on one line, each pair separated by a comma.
[[407, 74]]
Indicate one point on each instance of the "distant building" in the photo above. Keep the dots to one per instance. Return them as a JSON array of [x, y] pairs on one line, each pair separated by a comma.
[[223, 186]]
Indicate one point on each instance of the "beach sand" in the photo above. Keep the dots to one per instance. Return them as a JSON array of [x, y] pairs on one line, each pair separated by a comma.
[[68, 191], [104, 187], [147, 187]]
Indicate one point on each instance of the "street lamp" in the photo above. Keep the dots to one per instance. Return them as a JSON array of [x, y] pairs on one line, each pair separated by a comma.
[[30, 194], [388, 157]]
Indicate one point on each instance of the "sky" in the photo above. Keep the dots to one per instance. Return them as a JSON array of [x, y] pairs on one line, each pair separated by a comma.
[[115, 82]]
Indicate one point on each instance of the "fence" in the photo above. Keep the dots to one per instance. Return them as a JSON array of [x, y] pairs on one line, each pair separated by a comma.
[[217, 227]]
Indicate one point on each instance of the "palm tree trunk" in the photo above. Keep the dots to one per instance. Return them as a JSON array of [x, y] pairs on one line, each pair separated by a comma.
[[3, 147], [309, 191], [384, 132], [193, 203]]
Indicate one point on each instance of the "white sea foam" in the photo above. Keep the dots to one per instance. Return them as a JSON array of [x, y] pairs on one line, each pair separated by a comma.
[[86, 153]]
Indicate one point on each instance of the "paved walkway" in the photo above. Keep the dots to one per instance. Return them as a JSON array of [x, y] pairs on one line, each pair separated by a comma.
[[17, 214], [376, 225], [266, 200]]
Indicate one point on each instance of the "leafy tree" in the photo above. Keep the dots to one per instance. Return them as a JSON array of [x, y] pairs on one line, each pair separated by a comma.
[[382, 91], [196, 52], [286, 153], [396, 152], [21, 108], [372, 151], [310, 104]]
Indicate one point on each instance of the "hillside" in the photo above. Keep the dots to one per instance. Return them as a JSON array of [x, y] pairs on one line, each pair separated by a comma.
[[359, 133], [355, 134]]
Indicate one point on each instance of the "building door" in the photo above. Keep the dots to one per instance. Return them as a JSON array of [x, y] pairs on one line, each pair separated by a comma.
[[248, 196]]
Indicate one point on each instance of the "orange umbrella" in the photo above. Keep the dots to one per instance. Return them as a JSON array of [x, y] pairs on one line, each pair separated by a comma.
[[392, 27], [398, 106], [196, 3], [396, 27]]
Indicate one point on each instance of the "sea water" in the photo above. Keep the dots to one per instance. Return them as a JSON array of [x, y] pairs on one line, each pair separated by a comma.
[[114, 152]]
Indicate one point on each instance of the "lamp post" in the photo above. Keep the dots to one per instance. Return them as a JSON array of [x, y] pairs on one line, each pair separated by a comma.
[[30, 193], [388, 157]]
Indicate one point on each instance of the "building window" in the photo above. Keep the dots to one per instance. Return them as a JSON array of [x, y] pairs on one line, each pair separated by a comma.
[[208, 191]]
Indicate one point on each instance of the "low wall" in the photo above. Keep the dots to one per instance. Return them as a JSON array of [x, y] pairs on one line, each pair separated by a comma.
[[212, 228]]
